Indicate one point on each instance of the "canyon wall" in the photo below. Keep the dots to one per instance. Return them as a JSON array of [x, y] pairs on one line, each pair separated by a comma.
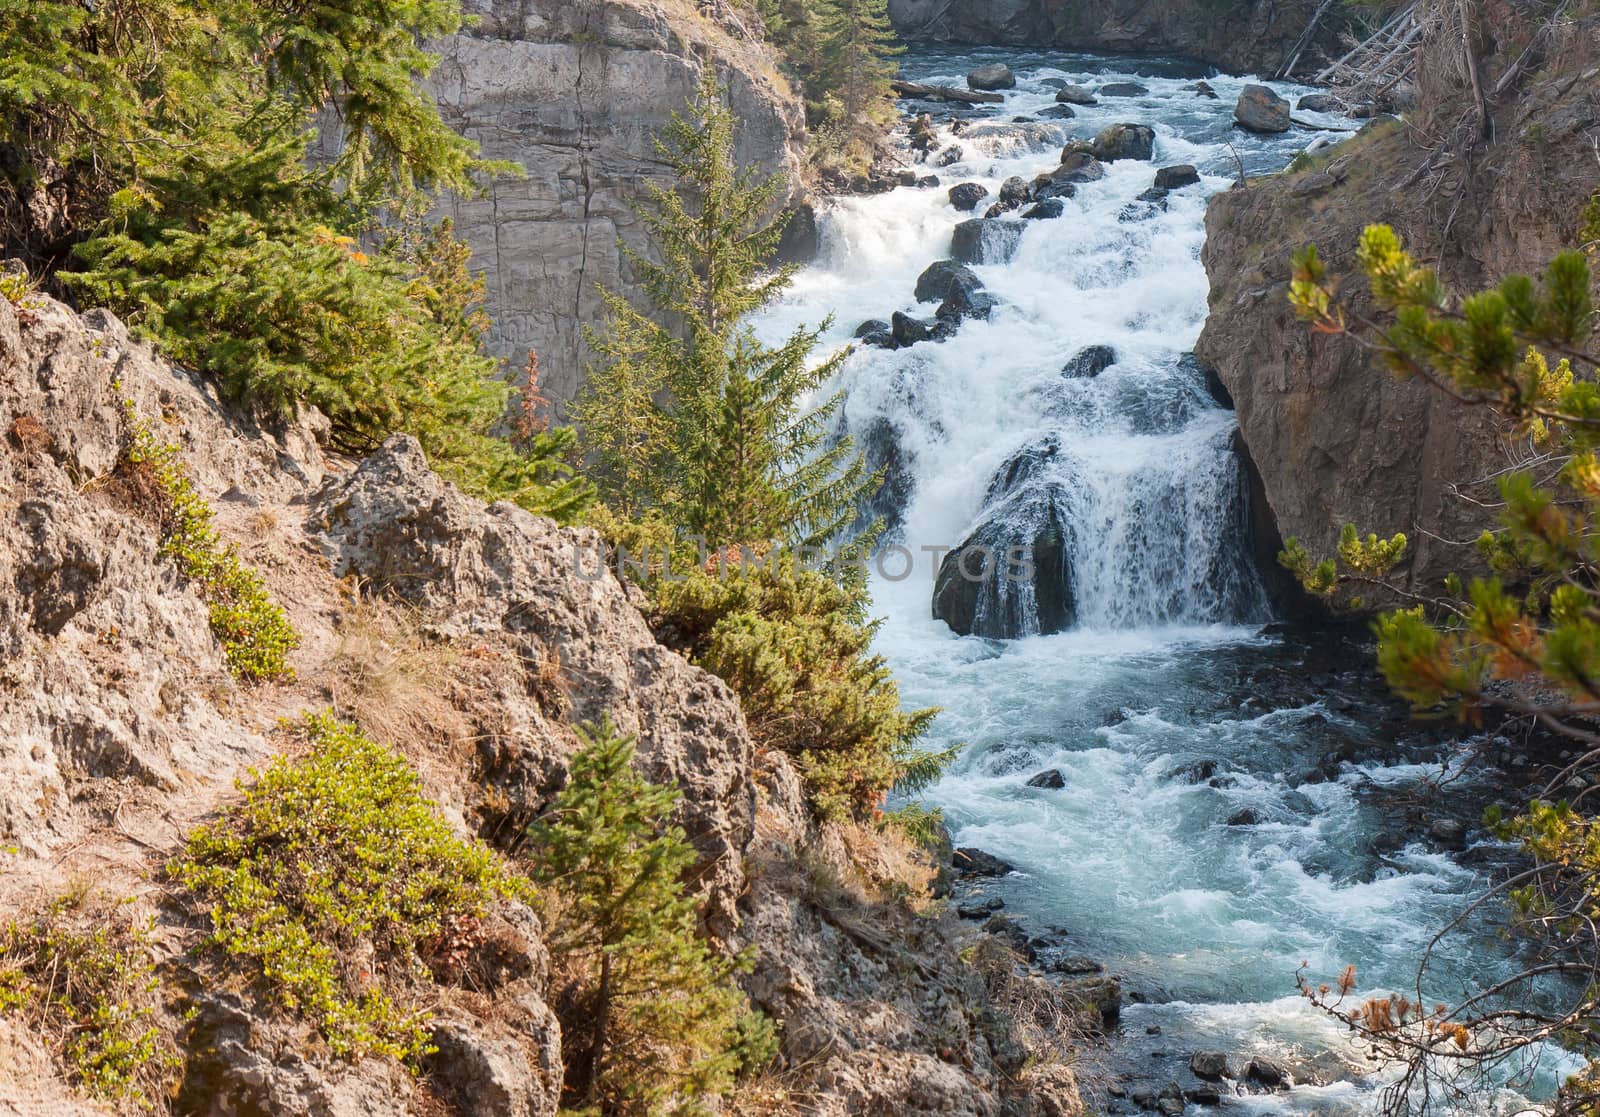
[[576, 92], [1335, 436], [1245, 36]]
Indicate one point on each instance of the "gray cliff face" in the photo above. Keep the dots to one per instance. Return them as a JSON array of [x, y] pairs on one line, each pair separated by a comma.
[[576, 91], [1237, 35], [1335, 436]]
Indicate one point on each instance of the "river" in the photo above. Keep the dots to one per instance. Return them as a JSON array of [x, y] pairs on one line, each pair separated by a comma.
[[1238, 799]]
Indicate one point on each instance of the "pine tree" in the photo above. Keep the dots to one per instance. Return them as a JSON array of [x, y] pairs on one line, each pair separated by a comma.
[[742, 457], [657, 1020], [857, 45], [176, 134]]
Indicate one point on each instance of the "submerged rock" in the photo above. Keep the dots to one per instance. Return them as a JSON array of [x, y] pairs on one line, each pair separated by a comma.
[[1123, 89], [1090, 362], [1045, 209]]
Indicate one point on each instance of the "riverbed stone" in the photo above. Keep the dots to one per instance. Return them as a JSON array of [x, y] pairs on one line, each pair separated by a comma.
[[1449, 833], [1050, 778], [1123, 89], [1319, 102], [1211, 1065], [1261, 110], [933, 285], [1176, 178], [1045, 210], [970, 862], [1076, 95], [966, 196], [987, 79], [1078, 166], [985, 240], [1125, 141], [1267, 1071]]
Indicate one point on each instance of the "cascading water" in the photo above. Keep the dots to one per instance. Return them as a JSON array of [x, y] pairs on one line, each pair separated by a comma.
[[1235, 801]]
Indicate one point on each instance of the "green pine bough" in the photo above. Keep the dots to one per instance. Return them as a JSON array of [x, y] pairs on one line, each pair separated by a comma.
[[255, 633], [334, 857], [1523, 642], [652, 1020]]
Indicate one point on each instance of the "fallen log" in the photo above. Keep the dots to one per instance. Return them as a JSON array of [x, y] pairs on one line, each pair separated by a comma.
[[944, 93]]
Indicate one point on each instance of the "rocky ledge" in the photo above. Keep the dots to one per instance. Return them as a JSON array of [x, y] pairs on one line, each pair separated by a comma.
[[462, 634]]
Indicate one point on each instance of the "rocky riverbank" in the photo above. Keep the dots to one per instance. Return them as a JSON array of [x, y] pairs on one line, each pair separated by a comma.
[[1335, 437]]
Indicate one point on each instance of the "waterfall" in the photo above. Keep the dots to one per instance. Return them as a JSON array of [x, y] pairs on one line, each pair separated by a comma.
[[1229, 795]]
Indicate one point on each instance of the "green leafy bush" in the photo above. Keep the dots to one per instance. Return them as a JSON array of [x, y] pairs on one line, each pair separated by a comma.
[[652, 1022], [84, 980], [255, 633], [796, 646], [335, 857]]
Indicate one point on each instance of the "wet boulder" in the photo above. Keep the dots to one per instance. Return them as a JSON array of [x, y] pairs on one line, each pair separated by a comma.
[[950, 156], [1176, 178], [987, 79], [1013, 191], [1075, 95], [933, 285], [985, 241], [1058, 112], [1056, 190], [908, 331], [1078, 166], [1090, 361], [1045, 209], [1050, 779], [1123, 89], [1125, 141], [970, 862], [1203, 89], [1212, 1065], [1261, 110], [1319, 102], [967, 196], [1267, 1071], [869, 327], [1011, 576], [965, 300]]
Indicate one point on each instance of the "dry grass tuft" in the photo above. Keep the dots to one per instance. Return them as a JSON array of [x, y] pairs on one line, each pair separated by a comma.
[[393, 681]]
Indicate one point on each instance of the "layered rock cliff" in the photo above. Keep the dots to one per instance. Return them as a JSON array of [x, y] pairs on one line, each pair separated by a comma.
[[1258, 36], [576, 92], [1336, 438], [466, 636]]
